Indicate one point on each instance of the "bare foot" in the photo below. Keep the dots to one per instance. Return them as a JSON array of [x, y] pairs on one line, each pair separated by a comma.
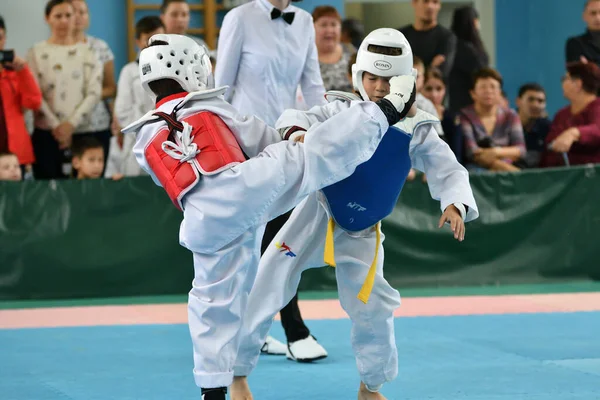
[[239, 389], [364, 394]]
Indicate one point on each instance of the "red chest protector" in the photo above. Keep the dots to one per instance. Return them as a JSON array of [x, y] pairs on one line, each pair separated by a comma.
[[199, 144]]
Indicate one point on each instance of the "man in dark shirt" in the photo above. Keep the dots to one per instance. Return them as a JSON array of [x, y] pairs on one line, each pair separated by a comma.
[[431, 42], [531, 104], [587, 46]]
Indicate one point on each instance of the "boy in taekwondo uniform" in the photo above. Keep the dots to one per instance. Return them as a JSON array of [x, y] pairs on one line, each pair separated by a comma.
[[348, 214], [230, 174]]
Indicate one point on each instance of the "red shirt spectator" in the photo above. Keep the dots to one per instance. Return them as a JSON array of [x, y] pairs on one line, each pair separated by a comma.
[[576, 128], [18, 90]]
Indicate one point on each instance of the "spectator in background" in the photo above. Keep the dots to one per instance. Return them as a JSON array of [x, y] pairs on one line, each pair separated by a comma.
[[353, 33], [575, 130], [586, 47], [435, 90], [263, 69], [531, 106], [131, 104], [10, 170], [493, 135], [470, 56], [333, 57], [175, 16], [70, 78], [88, 158], [431, 42], [422, 102], [100, 117], [18, 91]]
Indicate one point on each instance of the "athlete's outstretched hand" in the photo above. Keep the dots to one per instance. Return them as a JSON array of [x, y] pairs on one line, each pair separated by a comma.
[[453, 217]]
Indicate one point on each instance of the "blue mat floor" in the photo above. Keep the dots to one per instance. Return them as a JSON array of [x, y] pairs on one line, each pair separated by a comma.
[[528, 356]]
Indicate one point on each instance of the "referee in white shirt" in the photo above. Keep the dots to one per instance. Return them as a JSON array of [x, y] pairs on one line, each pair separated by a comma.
[[266, 50]]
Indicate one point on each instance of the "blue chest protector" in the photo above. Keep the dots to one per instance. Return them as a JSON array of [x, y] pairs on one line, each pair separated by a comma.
[[371, 192]]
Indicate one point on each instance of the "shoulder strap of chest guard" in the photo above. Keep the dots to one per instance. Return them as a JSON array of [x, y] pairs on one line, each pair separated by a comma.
[[334, 95]]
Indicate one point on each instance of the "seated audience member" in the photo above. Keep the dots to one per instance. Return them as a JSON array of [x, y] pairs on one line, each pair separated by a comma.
[[574, 136], [18, 91], [88, 158], [493, 134], [435, 90], [531, 106], [131, 104], [10, 170], [422, 102]]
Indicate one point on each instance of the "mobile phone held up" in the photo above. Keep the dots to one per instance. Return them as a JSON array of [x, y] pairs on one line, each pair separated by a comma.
[[7, 56]]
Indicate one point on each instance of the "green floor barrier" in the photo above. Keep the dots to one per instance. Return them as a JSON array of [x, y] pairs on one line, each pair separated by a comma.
[[82, 239]]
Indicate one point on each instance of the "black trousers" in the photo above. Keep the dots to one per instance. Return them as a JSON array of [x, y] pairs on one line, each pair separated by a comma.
[[49, 159], [291, 319]]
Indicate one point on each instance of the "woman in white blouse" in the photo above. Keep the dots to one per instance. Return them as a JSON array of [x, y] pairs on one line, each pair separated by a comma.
[[70, 77], [101, 115]]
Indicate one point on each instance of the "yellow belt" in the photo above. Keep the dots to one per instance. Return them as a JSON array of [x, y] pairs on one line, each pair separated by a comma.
[[329, 258]]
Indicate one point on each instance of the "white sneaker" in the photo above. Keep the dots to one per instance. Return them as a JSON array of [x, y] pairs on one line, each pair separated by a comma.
[[306, 350], [273, 347]]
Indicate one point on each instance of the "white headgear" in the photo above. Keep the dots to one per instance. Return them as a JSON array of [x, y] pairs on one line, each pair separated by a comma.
[[380, 64], [181, 59]]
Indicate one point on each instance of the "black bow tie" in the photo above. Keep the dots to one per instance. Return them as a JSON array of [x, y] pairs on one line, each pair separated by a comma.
[[287, 17]]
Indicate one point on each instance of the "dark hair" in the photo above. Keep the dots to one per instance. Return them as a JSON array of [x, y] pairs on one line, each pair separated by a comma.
[[81, 145], [325, 11], [385, 50], [6, 153], [164, 87], [146, 25], [531, 87], [588, 73], [355, 31], [486, 73], [418, 61], [351, 62], [463, 26], [165, 4], [53, 3], [2, 25], [434, 73]]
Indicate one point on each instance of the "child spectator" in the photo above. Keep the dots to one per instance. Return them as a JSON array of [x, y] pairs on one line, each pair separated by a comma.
[[131, 104], [88, 158], [422, 102], [10, 170]]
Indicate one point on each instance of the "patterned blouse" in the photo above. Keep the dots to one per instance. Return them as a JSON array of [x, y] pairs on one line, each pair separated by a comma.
[[70, 78], [335, 76], [507, 132], [100, 118]]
